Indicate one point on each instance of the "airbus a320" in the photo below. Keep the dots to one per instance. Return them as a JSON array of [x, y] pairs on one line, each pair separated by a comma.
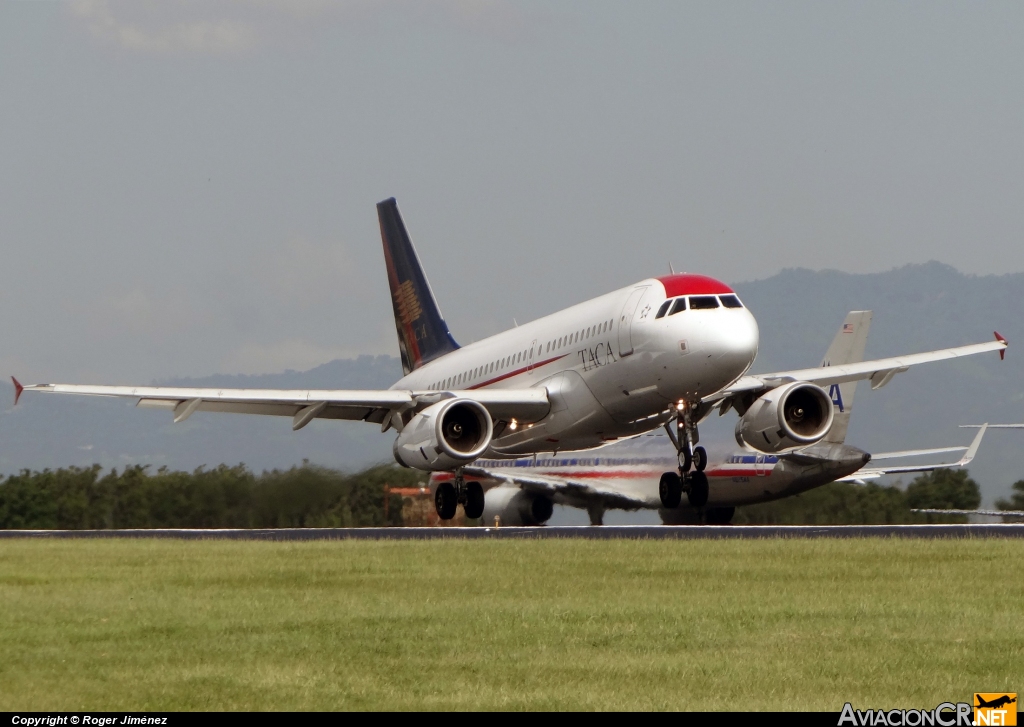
[[666, 350]]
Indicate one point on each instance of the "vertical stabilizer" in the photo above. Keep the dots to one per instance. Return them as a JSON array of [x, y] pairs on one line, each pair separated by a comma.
[[847, 347], [422, 333]]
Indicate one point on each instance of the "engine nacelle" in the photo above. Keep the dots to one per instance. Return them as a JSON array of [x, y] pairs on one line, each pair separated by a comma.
[[445, 435], [793, 415], [516, 507]]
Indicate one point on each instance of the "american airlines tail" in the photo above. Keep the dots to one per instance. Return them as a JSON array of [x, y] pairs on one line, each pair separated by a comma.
[[422, 333], [847, 347]]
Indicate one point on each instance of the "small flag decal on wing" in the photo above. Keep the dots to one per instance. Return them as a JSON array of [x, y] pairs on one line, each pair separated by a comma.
[[847, 328]]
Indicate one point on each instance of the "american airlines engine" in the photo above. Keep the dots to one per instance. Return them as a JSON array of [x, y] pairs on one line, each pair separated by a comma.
[[445, 436], [791, 416], [663, 352], [516, 506]]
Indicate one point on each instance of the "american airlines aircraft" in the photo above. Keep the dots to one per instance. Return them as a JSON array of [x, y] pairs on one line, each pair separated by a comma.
[[664, 350], [628, 476]]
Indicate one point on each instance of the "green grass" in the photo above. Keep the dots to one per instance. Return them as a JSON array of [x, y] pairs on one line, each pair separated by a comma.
[[754, 624]]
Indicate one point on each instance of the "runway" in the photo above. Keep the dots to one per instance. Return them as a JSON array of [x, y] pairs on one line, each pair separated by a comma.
[[604, 532]]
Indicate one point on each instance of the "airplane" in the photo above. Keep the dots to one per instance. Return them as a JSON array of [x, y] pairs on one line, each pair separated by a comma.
[[524, 491], [995, 703], [666, 349]]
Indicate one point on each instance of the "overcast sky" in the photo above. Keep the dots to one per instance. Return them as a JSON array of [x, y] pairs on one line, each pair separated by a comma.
[[188, 186]]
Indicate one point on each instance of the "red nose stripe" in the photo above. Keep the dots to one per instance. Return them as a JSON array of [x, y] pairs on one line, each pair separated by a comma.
[[686, 284]]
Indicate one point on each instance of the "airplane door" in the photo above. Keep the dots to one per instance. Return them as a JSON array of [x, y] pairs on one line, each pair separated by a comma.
[[759, 465], [626, 321], [533, 348]]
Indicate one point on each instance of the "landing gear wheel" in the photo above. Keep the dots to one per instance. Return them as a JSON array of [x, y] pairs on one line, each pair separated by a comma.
[[700, 458], [474, 506], [698, 493], [719, 515], [685, 460], [445, 500], [671, 490]]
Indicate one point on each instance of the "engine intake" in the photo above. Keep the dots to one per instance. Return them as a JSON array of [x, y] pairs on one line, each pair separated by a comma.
[[445, 435], [793, 415]]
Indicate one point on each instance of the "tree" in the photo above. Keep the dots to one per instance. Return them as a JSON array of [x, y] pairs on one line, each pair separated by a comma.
[[944, 489], [1016, 501]]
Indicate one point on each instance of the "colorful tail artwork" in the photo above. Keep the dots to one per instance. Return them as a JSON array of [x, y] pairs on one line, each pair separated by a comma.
[[422, 333]]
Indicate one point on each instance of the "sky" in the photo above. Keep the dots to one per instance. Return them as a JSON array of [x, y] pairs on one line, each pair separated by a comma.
[[187, 187]]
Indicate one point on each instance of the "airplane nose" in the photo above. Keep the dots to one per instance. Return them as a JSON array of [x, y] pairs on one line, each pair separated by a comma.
[[733, 340]]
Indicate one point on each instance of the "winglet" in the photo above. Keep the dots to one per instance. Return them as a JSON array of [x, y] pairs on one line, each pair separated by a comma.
[[18, 388], [973, 449], [1002, 351]]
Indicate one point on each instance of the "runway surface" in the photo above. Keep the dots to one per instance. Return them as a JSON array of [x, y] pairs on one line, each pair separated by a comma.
[[633, 532]]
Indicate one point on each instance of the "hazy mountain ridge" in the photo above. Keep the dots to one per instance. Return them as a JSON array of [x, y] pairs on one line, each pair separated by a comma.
[[916, 308]]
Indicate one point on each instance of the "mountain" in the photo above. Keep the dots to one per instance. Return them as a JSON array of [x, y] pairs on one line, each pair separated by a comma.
[[917, 308]]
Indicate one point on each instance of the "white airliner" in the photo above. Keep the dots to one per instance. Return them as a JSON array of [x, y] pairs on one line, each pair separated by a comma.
[[666, 349], [629, 476]]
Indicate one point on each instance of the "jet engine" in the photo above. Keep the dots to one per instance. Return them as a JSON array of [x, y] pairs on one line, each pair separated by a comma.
[[793, 415], [516, 507], [445, 435]]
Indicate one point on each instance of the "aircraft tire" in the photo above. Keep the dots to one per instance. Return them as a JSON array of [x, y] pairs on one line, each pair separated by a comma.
[[474, 500], [698, 494], [671, 490], [719, 515], [700, 458], [685, 460], [445, 501]]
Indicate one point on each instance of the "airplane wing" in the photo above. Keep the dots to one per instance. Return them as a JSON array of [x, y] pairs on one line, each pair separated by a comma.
[[988, 513], [873, 473], [879, 371], [566, 491], [382, 407], [992, 426]]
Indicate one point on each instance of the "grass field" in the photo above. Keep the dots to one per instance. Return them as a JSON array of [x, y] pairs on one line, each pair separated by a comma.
[[551, 624]]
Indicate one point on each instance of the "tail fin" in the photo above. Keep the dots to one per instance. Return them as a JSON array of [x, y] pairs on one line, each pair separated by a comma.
[[847, 347], [422, 333]]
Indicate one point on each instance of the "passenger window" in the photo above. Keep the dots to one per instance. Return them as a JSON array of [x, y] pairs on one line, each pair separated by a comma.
[[730, 301], [679, 305], [703, 302], [664, 309]]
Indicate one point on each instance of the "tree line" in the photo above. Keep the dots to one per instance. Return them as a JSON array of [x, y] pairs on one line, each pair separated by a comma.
[[310, 496], [77, 498]]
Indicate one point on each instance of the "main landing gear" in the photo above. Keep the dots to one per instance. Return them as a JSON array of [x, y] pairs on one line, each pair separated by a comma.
[[449, 495], [684, 435]]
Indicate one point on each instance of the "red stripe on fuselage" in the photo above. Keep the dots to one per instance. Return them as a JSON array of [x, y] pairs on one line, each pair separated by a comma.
[[510, 374]]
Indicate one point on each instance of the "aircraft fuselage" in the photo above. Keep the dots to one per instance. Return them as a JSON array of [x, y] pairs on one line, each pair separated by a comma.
[[613, 366]]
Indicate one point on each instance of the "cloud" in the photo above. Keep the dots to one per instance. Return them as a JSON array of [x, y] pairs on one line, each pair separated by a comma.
[[146, 27], [294, 353], [232, 27], [301, 272]]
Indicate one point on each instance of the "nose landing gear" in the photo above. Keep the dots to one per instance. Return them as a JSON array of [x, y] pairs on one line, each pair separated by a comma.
[[449, 495], [684, 435]]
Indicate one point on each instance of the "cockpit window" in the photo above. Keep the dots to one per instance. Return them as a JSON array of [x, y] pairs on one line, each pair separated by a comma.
[[730, 301], [679, 305], [663, 309], [703, 302]]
